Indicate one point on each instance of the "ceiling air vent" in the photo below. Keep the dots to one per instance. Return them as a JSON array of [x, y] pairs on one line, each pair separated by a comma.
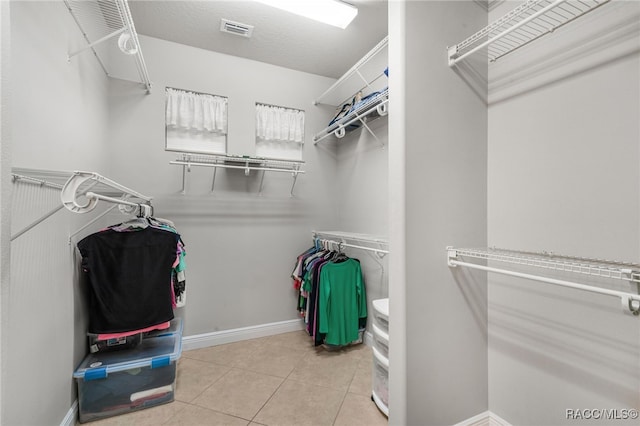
[[236, 28]]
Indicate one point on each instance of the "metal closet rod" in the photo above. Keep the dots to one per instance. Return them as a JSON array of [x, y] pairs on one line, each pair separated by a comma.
[[630, 302]]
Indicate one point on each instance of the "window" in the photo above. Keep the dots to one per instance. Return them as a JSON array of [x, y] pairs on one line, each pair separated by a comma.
[[195, 122], [279, 132]]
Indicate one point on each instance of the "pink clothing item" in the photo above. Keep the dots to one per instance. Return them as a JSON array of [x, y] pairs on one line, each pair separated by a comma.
[[108, 336]]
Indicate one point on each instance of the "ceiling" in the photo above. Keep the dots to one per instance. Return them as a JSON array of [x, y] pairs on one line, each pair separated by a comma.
[[279, 38]]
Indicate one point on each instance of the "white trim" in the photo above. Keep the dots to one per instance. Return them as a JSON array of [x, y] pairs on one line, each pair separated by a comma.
[[368, 339], [215, 338], [484, 419], [496, 420], [72, 415]]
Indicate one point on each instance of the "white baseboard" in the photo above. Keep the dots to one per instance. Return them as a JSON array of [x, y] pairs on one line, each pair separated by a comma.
[[368, 338], [215, 338], [72, 415], [484, 419]]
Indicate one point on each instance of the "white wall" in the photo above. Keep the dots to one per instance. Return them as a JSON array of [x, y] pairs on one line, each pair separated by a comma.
[[445, 161], [564, 144], [5, 179], [58, 122], [363, 202], [240, 246]]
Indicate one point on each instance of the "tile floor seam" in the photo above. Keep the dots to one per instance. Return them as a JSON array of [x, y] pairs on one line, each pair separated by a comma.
[[204, 390], [216, 411], [269, 399], [344, 397], [346, 390]]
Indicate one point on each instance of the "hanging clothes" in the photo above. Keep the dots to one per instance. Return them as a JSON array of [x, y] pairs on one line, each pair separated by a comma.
[[129, 269], [331, 296], [342, 302]]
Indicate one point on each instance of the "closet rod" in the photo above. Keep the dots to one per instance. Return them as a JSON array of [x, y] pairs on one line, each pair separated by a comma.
[[630, 302]]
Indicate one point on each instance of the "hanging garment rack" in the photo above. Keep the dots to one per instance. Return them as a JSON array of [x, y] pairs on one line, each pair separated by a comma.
[[378, 105], [80, 193], [339, 240], [585, 266], [234, 162], [523, 25], [102, 20]]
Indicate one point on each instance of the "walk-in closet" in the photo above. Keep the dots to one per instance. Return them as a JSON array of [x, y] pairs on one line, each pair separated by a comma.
[[225, 213]]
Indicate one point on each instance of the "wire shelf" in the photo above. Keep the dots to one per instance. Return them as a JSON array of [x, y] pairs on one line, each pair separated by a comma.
[[355, 70], [376, 244], [245, 163], [546, 260], [102, 20], [375, 107], [523, 25], [80, 192]]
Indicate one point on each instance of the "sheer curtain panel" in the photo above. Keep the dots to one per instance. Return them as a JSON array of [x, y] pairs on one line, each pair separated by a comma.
[[275, 123], [196, 111]]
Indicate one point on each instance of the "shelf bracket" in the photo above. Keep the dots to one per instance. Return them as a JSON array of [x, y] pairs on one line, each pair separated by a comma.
[[213, 181]]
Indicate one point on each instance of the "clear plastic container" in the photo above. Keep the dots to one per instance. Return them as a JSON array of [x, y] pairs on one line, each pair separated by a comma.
[[118, 382]]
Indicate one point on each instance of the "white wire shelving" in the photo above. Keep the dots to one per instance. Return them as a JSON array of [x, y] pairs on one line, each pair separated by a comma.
[[366, 76], [340, 240], [375, 107], [523, 25], [601, 268], [80, 192], [245, 163], [103, 20]]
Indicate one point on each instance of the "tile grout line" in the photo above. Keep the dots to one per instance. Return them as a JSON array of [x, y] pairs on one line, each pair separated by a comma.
[[274, 392], [345, 394]]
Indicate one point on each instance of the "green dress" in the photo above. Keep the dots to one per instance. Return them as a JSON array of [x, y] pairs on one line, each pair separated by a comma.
[[343, 302]]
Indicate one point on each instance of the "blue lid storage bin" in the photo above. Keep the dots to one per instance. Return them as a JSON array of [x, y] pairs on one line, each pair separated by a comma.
[[113, 383]]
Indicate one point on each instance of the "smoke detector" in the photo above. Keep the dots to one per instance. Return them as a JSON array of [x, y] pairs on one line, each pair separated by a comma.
[[236, 28]]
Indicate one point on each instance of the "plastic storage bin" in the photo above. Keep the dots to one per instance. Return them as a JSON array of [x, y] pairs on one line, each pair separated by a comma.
[[381, 314], [112, 383], [380, 341], [380, 393]]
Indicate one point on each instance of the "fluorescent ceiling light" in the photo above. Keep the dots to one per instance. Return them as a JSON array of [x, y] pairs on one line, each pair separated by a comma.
[[330, 12]]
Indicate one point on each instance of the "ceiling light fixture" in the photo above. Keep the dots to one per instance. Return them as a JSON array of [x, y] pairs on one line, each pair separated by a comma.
[[332, 12]]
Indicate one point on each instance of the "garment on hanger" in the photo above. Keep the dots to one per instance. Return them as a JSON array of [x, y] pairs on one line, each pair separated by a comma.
[[332, 296], [129, 272]]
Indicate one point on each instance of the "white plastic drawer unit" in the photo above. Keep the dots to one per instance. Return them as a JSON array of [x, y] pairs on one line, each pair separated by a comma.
[[381, 314], [380, 393], [380, 341]]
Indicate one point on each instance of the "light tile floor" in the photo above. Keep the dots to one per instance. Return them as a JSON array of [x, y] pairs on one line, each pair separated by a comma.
[[275, 380]]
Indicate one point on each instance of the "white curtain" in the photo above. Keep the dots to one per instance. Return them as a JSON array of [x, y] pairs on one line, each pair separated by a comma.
[[279, 124], [196, 111]]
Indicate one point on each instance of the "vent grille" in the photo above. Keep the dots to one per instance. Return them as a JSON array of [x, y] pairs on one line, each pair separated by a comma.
[[236, 28]]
